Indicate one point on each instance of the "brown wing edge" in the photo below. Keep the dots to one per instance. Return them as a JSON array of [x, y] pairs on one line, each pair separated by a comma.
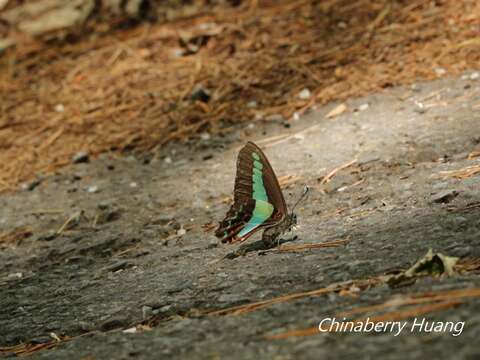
[[274, 191]]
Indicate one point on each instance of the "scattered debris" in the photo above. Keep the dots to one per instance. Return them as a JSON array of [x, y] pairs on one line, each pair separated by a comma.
[[474, 154], [32, 185], [420, 108], [285, 181], [464, 173], [363, 107], [325, 179], [131, 330], [305, 94], [301, 247], [275, 117], [340, 109], [119, 265], [431, 264], [15, 236], [242, 309], [48, 236], [444, 197], [14, 276], [59, 108], [74, 220], [412, 311], [80, 157], [93, 189], [199, 93]]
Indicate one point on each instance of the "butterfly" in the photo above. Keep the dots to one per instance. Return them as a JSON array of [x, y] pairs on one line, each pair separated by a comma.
[[258, 201]]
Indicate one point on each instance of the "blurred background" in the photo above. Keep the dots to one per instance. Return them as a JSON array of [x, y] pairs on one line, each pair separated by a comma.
[[91, 76]]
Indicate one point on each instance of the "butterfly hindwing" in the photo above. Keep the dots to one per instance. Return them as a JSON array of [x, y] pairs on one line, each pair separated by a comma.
[[258, 200]]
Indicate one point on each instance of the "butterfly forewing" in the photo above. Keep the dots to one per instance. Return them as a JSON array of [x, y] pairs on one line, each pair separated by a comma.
[[258, 199]]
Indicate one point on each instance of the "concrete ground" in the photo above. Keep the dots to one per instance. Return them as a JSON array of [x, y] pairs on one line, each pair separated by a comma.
[[138, 252]]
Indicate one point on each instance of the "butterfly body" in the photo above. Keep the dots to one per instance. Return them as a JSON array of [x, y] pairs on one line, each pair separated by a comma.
[[258, 201]]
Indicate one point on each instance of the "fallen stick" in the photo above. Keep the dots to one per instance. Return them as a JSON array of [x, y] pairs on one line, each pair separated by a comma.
[[332, 173]]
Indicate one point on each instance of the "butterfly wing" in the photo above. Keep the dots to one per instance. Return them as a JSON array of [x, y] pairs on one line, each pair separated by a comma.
[[258, 199]]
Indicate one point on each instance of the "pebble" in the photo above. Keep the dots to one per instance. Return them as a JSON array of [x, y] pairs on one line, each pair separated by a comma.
[[444, 196], [133, 184], [13, 276], [419, 108], [305, 94], [475, 76], [119, 265], [415, 88], [59, 108], [363, 107], [440, 71], [31, 185], [80, 157], [93, 189], [200, 94], [252, 104]]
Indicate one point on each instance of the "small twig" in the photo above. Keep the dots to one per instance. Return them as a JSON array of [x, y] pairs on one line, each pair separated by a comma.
[[241, 309], [329, 244], [287, 180], [332, 173], [463, 173], [46, 211]]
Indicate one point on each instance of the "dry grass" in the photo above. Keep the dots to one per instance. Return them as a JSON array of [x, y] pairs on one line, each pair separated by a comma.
[[464, 173], [130, 88]]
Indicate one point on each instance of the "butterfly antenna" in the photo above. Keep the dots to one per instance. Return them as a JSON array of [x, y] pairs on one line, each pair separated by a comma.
[[304, 196]]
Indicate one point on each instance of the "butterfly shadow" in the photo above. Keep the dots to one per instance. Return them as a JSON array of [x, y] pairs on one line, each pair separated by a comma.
[[259, 246]]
